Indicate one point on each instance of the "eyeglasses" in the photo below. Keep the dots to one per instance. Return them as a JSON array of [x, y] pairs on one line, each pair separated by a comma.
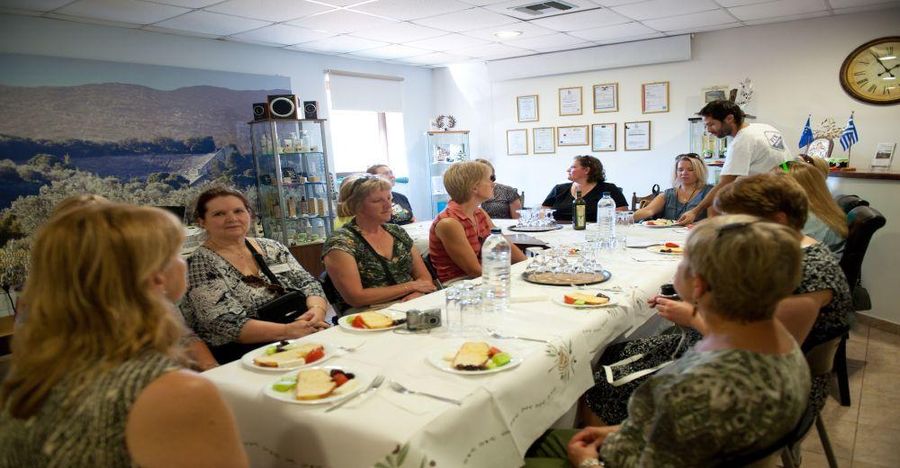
[[493, 178], [360, 179], [733, 227], [257, 282], [687, 156]]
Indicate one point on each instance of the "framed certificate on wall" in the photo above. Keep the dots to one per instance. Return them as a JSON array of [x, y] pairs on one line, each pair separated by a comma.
[[576, 135], [637, 136], [606, 97], [603, 137], [517, 142], [543, 140], [655, 97], [527, 108], [570, 101]]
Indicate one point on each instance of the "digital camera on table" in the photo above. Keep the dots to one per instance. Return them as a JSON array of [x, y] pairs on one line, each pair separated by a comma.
[[417, 320]]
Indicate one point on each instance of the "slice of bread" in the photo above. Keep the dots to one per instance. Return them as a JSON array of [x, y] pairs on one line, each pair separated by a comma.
[[588, 299], [376, 320], [314, 384], [293, 356], [471, 356]]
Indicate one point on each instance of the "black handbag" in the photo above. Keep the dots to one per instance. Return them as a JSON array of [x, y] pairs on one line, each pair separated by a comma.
[[285, 308]]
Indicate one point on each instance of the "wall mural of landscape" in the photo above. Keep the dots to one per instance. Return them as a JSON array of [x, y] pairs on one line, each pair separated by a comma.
[[143, 134]]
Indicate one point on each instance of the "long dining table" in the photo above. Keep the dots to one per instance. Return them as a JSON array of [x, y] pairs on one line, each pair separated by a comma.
[[501, 413]]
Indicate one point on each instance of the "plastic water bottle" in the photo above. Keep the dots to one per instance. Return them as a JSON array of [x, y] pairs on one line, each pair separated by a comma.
[[606, 219], [495, 262]]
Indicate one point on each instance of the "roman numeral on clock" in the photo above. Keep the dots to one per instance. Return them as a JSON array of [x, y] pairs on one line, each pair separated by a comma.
[[862, 82], [873, 88], [860, 73]]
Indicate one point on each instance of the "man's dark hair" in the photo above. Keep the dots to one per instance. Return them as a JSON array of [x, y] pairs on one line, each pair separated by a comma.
[[720, 109]]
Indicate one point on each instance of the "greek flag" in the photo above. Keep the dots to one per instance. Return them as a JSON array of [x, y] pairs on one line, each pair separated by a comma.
[[849, 137], [807, 136]]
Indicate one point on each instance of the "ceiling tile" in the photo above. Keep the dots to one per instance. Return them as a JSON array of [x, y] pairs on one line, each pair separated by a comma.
[[581, 20], [437, 58], [124, 11], [483, 2], [613, 32], [450, 41], [696, 29], [861, 8], [411, 9], [491, 51], [693, 20], [269, 10], [341, 21], [777, 8], [547, 43], [398, 32], [186, 3], [638, 37], [664, 8], [35, 5], [527, 30], [858, 3], [734, 3], [211, 23], [609, 3], [392, 51], [340, 44], [781, 19], [281, 34], [505, 8], [466, 20], [180, 32], [341, 3]]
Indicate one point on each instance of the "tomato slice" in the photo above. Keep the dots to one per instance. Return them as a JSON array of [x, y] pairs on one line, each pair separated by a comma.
[[493, 351], [671, 244], [358, 322], [315, 355], [340, 378]]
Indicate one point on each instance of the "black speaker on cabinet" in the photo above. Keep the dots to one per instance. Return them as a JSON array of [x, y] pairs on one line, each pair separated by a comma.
[[310, 109], [260, 111], [284, 106]]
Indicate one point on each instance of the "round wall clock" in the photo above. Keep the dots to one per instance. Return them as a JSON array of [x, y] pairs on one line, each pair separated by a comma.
[[869, 73]]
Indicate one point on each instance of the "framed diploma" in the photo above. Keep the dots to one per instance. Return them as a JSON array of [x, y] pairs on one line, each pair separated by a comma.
[[517, 142], [655, 97], [543, 140], [603, 137], [637, 136], [576, 135], [606, 97], [570, 101], [527, 108]]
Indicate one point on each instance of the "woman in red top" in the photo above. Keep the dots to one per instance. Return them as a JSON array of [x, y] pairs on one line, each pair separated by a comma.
[[454, 242]]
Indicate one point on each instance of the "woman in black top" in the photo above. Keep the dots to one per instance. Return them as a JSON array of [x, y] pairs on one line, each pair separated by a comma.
[[586, 173]]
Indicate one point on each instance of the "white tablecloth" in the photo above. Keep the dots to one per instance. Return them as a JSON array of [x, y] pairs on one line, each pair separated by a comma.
[[502, 413]]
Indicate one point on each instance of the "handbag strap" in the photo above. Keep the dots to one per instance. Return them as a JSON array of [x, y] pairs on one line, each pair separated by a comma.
[[261, 263], [384, 265]]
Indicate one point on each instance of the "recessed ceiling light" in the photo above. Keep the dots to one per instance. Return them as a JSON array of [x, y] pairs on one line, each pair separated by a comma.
[[507, 34]]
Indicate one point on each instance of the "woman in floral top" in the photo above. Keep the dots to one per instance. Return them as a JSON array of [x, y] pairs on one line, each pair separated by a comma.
[[741, 388], [506, 202], [369, 260]]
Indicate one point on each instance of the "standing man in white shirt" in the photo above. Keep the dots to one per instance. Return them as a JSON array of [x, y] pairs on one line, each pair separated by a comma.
[[755, 148]]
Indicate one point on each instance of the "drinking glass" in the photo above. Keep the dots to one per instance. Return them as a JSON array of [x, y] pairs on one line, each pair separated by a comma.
[[453, 313], [470, 309]]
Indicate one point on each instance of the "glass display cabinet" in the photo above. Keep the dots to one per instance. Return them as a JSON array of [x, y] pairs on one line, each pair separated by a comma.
[[444, 149], [296, 188]]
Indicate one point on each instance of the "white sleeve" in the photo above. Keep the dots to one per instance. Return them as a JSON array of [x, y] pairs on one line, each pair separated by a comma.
[[738, 159]]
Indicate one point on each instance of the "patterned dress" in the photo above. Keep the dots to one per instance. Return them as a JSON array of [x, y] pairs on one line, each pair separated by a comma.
[[81, 424], [401, 210], [371, 270], [708, 406], [219, 302], [498, 206]]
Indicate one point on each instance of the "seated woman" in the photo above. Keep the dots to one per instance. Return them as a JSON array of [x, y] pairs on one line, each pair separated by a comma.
[[456, 235], [818, 310], [369, 260], [506, 200], [741, 388], [689, 188], [95, 377], [826, 222], [586, 174], [401, 210], [228, 283]]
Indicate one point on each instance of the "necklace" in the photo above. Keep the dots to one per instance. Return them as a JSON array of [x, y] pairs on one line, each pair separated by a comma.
[[681, 208]]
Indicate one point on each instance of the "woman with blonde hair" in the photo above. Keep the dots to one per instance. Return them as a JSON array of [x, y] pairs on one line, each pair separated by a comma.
[[95, 378], [457, 233], [826, 222], [689, 187], [506, 202], [371, 260]]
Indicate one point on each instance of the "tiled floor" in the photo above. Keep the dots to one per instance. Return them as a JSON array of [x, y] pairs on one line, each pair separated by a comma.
[[866, 434]]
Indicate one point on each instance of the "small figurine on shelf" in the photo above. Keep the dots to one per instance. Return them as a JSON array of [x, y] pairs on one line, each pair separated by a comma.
[[304, 141]]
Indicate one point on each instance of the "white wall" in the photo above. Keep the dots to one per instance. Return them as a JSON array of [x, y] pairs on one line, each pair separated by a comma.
[[794, 69], [38, 36]]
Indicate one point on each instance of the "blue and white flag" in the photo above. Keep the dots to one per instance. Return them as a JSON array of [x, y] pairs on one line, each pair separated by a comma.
[[807, 136], [849, 136]]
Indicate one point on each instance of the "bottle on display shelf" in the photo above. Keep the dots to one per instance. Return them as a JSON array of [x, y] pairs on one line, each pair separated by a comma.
[[276, 209], [320, 206], [304, 206], [579, 209], [292, 208]]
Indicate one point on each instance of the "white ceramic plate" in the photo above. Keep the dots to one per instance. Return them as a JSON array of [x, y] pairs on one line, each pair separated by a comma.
[[557, 299], [346, 321], [660, 248], [660, 226], [247, 359], [436, 358], [349, 389]]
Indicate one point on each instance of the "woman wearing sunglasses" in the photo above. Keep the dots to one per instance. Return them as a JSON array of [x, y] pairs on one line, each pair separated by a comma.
[[228, 282], [689, 187], [369, 259], [506, 202]]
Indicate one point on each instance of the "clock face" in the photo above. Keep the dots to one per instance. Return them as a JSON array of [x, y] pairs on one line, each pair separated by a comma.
[[870, 73]]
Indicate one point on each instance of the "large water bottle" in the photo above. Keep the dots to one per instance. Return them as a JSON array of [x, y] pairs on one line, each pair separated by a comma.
[[495, 262], [606, 219]]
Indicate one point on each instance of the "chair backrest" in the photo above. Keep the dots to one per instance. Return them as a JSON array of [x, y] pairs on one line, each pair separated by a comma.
[[848, 202], [331, 293], [432, 271], [768, 456], [862, 221], [640, 202]]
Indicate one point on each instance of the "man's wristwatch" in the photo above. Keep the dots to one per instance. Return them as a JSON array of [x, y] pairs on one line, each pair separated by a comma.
[[590, 462]]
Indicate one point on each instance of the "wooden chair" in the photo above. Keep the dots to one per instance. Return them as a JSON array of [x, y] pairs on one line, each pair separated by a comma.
[[640, 202]]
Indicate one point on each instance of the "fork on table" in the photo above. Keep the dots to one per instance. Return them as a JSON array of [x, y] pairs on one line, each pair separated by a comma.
[[376, 382]]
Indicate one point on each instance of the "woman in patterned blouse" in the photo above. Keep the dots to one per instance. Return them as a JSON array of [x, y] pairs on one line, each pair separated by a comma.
[[96, 376], [227, 286], [741, 388], [370, 260], [506, 202]]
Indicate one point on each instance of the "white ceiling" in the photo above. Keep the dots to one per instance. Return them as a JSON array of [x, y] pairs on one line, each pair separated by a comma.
[[431, 32]]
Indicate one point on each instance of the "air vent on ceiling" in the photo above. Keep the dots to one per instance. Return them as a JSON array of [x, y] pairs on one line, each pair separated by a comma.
[[544, 8]]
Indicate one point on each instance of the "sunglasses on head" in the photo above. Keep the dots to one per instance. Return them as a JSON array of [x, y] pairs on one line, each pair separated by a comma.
[[687, 156]]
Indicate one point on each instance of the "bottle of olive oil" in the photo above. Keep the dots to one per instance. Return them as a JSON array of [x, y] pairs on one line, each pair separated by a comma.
[[579, 218]]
